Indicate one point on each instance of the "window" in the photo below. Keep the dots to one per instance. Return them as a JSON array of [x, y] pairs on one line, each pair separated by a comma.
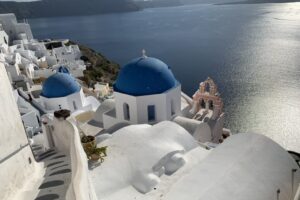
[[151, 113], [211, 105], [207, 87], [38, 120], [203, 104], [172, 108], [74, 105], [126, 111]]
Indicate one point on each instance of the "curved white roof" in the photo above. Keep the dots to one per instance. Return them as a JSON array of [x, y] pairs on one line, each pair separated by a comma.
[[164, 162], [139, 155], [245, 167]]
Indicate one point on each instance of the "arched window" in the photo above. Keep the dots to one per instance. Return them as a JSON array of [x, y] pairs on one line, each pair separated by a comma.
[[207, 87], [126, 111], [172, 108], [74, 105], [202, 103], [211, 105], [151, 113]]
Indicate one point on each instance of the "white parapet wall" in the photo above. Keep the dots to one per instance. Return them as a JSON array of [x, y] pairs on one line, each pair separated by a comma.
[[16, 160], [67, 139], [81, 187]]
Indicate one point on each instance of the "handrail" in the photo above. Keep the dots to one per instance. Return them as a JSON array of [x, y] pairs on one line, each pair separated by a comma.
[[13, 153]]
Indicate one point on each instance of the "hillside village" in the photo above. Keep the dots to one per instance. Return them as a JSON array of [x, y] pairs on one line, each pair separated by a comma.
[[69, 131]]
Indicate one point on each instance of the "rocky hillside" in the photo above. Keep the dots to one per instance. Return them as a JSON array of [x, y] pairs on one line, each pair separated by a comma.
[[99, 68]]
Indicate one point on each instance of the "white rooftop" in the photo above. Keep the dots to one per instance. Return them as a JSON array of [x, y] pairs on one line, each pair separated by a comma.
[[246, 166]]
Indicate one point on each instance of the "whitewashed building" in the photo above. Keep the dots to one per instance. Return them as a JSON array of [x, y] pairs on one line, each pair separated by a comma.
[[146, 91], [3, 36], [67, 53], [12, 63], [62, 91], [29, 115], [16, 31]]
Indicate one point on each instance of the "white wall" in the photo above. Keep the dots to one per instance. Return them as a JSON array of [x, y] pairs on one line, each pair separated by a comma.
[[26, 53], [91, 102], [38, 47], [105, 106], [175, 96], [30, 120], [51, 60], [14, 164], [52, 104], [75, 68], [67, 53], [159, 101], [30, 70], [66, 139], [217, 130], [4, 49], [3, 37], [81, 187], [13, 28], [120, 99], [138, 106], [45, 73], [13, 71], [199, 130], [7, 21], [109, 121], [23, 28], [62, 134], [14, 47]]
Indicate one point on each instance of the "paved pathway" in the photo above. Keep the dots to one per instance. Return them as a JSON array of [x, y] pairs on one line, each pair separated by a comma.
[[57, 174]]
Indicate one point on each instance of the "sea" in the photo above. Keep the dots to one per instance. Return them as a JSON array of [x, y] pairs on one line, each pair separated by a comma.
[[252, 52]]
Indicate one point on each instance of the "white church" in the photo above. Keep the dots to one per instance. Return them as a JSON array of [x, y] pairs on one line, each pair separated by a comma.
[[62, 91], [146, 91]]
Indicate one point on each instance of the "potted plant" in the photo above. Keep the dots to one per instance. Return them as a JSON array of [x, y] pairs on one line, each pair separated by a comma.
[[87, 142], [62, 114], [96, 153]]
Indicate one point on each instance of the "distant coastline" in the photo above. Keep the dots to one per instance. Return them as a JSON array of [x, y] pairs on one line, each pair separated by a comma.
[[61, 8], [258, 2], [56, 8]]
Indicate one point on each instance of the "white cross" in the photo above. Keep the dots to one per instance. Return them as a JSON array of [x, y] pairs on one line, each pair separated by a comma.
[[144, 53]]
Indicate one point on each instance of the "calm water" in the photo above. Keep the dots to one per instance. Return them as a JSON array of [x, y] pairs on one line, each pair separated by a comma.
[[252, 52]]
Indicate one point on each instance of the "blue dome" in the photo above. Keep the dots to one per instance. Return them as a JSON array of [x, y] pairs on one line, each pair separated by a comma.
[[60, 85], [145, 76]]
